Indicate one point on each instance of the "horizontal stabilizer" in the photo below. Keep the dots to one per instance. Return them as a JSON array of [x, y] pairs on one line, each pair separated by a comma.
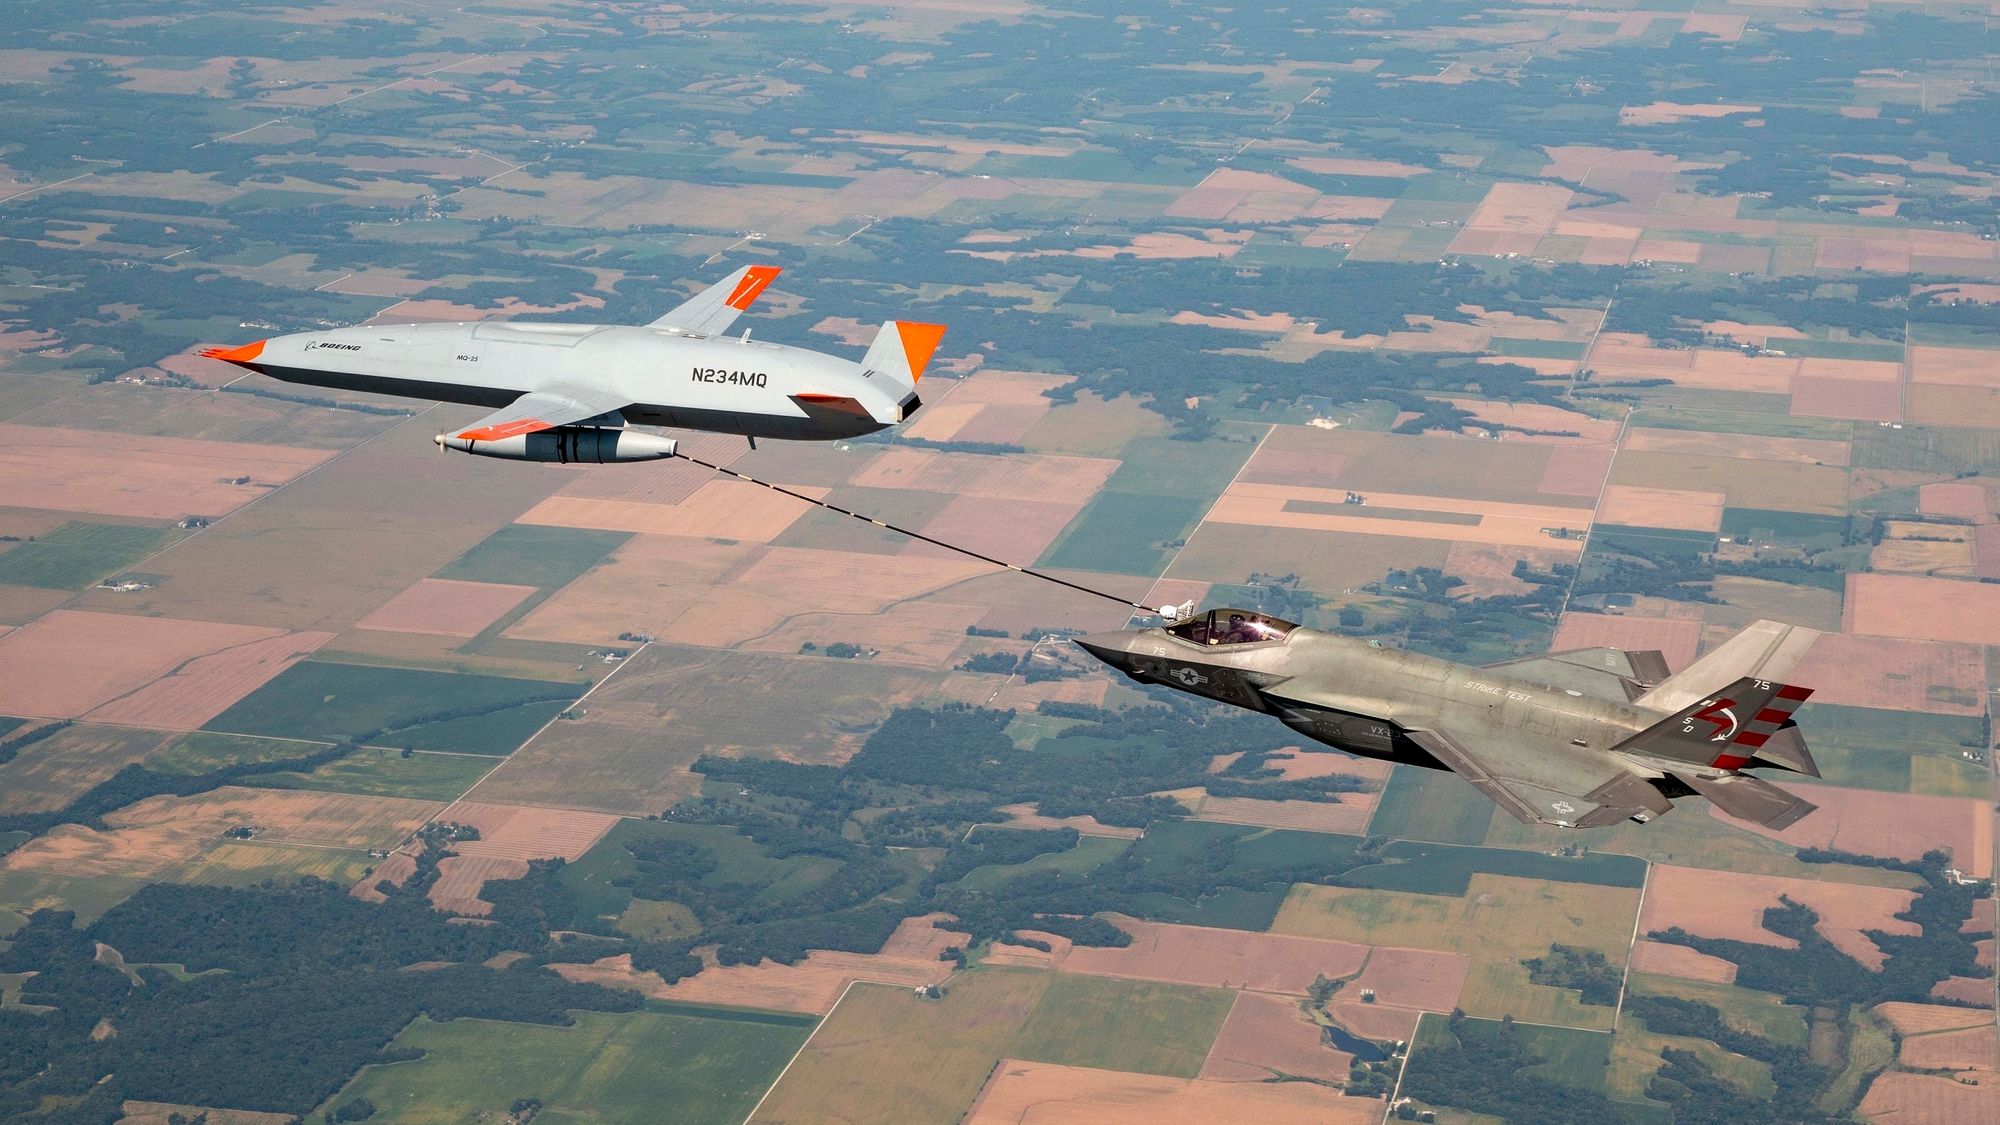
[[1751, 799], [1766, 650], [1724, 730], [1786, 750]]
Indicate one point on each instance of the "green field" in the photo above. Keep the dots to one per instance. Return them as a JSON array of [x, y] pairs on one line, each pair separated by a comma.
[[1746, 1009], [632, 1066], [9, 724], [1540, 349], [425, 775], [1439, 869], [1737, 422], [11, 840], [319, 699], [1124, 533], [1650, 540], [205, 751], [233, 864], [24, 892], [1089, 853], [530, 555], [1803, 529], [1113, 1024], [77, 555], [1421, 804], [1927, 449]]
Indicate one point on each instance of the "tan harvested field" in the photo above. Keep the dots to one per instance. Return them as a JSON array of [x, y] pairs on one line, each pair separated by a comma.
[[1775, 485], [509, 836], [782, 583], [1202, 955], [1514, 217], [150, 670], [1914, 608], [276, 564], [729, 509], [1410, 978], [1897, 1098], [1955, 405], [1967, 367], [1031, 1093], [943, 421], [1327, 561], [1635, 506], [115, 474], [1679, 961], [152, 838], [1024, 816], [163, 1113], [1505, 472], [1677, 640], [643, 587], [1349, 816], [1898, 675], [1805, 451], [1913, 1019], [629, 754], [1266, 1037], [908, 959], [1274, 505], [1576, 470], [52, 772], [1017, 531], [1041, 477], [1540, 416], [1731, 905], [1972, 1048], [443, 607], [1899, 825], [1298, 764], [241, 420], [1976, 991], [1847, 398], [1922, 556], [924, 634]]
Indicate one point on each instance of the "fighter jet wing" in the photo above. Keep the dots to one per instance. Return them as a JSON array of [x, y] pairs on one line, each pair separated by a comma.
[[552, 406], [711, 311], [1602, 673], [1544, 785]]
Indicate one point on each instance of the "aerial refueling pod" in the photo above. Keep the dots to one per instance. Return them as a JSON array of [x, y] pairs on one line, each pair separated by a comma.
[[587, 445]]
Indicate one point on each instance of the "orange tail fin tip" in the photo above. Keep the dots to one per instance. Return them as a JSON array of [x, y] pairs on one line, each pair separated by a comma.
[[920, 342]]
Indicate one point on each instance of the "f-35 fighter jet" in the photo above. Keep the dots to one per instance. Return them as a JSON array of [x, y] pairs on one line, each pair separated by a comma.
[[1577, 739], [565, 392]]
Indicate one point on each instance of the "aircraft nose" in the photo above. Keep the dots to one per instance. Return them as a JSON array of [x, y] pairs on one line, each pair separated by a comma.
[[1114, 648]]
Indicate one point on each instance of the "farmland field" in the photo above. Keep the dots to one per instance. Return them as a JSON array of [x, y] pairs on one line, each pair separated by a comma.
[[1125, 1025], [622, 1067], [426, 775], [77, 555], [324, 700], [531, 555]]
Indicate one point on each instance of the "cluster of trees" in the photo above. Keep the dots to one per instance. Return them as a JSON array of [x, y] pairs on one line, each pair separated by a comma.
[[11, 748], [1485, 1068], [296, 987], [1596, 980], [136, 782], [1799, 1080]]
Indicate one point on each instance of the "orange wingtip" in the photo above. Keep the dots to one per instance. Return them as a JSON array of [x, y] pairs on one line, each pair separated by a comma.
[[920, 342], [244, 354], [506, 430], [752, 286]]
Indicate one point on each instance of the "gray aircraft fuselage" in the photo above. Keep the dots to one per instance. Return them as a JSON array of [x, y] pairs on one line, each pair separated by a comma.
[[1578, 739]]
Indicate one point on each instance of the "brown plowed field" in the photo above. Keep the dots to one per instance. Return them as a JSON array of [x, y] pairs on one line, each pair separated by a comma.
[[1955, 406], [1970, 367], [1268, 1036], [1677, 640], [1347, 817], [1219, 958], [1860, 400], [642, 588], [118, 474], [1041, 477], [1029, 1093], [1725, 904], [1911, 1019], [728, 509], [1900, 825], [446, 608], [1897, 675], [1925, 609], [1973, 1047], [1965, 990], [1680, 961], [1576, 470], [519, 832], [461, 877], [1422, 979], [1488, 569], [206, 686], [1955, 500], [1323, 509], [1017, 531], [69, 662], [1921, 1099]]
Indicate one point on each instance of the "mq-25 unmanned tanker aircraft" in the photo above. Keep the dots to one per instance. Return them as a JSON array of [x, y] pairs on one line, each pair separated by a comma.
[[565, 392], [1578, 739]]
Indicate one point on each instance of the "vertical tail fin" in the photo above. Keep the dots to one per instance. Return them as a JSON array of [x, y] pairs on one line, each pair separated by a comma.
[[1765, 650], [1725, 730], [901, 351]]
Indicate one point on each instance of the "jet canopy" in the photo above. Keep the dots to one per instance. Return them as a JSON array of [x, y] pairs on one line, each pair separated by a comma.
[[1232, 627]]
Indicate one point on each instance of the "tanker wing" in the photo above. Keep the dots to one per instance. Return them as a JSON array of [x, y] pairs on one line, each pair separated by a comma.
[[711, 311], [552, 406]]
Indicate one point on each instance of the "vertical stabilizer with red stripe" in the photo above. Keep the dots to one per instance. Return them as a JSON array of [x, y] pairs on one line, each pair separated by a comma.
[[1732, 729]]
